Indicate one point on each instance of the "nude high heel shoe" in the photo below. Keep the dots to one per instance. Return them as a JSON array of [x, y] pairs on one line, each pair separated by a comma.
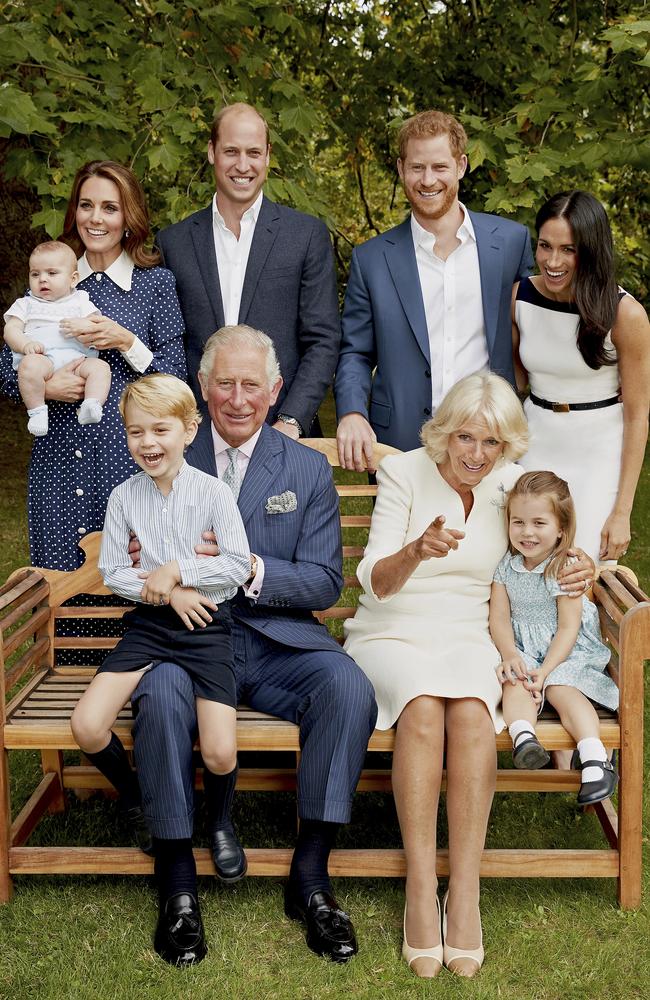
[[411, 954], [451, 954]]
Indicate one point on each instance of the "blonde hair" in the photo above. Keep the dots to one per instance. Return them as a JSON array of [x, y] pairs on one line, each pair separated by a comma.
[[429, 124], [548, 486], [55, 246], [482, 396], [238, 336], [163, 396]]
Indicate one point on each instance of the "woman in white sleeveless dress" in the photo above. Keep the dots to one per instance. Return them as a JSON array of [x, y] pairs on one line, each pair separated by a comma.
[[583, 346]]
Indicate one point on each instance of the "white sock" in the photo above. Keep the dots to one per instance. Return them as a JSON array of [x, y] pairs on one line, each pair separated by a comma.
[[520, 728], [37, 423], [591, 749], [90, 412]]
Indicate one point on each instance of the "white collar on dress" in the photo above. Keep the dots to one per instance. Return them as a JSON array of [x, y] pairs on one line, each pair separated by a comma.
[[120, 271]]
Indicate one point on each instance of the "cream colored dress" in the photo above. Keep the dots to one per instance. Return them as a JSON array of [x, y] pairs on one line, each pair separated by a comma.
[[432, 636]]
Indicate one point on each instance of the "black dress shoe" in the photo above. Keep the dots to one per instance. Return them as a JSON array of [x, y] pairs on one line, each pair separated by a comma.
[[228, 856], [139, 830], [179, 937], [329, 930], [596, 791], [529, 754]]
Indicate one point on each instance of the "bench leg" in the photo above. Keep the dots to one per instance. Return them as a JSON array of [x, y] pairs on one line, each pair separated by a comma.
[[630, 819], [6, 888], [52, 763]]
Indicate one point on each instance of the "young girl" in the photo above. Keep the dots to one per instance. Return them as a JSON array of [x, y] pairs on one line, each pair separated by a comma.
[[183, 610], [550, 643]]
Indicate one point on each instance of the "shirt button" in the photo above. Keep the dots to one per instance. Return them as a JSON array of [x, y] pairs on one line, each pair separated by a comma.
[[78, 453], [79, 493], [98, 277], [81, 531]]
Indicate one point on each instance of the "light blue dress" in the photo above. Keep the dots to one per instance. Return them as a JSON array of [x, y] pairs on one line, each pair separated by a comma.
[[533, 609]]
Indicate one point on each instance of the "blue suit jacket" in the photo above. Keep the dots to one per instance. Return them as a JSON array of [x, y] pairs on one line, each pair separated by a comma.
[[301, 549], [289, 292], [385, 327]]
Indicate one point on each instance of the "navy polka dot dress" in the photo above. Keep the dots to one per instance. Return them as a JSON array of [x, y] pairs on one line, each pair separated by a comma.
[[74, 468]]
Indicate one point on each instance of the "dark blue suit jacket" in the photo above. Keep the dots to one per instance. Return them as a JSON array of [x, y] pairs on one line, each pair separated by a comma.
[[289, 292], [301, 549], [385, 327]]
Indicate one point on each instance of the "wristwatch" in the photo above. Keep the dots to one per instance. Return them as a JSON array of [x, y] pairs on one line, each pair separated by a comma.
[[286, 419], [253, 573]]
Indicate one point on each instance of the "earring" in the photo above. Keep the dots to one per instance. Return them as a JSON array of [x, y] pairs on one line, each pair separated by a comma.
[[127, 233]]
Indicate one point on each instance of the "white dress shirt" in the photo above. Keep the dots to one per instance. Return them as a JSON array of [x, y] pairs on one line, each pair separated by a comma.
[[222, 460], [138, 356], [451, 291], [168, 528], [232, 256]]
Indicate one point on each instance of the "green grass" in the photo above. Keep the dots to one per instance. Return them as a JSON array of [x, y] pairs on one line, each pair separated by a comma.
[[89, 938]]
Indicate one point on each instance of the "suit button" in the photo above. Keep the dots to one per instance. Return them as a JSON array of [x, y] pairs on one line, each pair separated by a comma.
[[427, 374], [427, 411]]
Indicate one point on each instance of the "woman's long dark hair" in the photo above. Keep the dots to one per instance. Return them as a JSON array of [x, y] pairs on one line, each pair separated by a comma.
[[595, 291]]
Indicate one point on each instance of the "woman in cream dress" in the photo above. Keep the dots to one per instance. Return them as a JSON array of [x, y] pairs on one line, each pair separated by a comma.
[[421, 635]]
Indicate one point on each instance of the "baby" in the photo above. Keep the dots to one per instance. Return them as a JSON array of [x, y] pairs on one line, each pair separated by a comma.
[[33, 333]]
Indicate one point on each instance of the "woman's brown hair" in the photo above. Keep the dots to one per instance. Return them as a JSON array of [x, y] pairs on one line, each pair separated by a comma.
[[556, 491], [136, 216]]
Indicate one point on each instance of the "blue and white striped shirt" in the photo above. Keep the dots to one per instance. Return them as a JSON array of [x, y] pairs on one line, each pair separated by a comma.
[[168, 527]]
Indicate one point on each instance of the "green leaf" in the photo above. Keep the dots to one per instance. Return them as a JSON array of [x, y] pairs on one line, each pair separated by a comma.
[[51, 219], [19, 112], [155, 97], [165, 156], [298, 118]]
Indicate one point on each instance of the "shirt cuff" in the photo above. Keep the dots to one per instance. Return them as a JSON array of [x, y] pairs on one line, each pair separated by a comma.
[[254, 588], [138, 356], [190, 576]]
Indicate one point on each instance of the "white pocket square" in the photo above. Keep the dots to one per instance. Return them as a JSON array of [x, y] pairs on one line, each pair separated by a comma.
[[282, 504]]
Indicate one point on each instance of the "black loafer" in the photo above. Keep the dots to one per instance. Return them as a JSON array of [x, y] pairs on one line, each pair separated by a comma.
[[139, 829], [529, 754], [228, 856], [597, 791], [179, 938], [329, 930]]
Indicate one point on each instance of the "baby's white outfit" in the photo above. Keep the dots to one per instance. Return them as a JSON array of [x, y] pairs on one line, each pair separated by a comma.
[[41, 319]]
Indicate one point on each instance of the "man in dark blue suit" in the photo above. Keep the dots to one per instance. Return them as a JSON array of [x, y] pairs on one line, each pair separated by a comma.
[[427, 302], [245, 259], [286, 663]]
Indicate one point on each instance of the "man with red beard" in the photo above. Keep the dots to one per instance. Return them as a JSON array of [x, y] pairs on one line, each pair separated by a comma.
[[428, 302]]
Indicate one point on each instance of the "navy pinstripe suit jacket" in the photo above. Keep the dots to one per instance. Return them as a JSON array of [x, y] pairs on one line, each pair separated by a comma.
[[301, 549]]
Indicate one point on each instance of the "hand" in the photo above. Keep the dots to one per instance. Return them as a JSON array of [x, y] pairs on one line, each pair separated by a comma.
[[578, 574], [65, 385], [209, 545], [512, 669], [134, 550], [535, 683], [98, 331], [355, 440], [33, 347], [437, 541], [192, 607], [160, 582], [615, 536], [289, 429]]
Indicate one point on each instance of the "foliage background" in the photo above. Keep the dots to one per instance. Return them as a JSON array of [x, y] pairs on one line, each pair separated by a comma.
[[554, 94]]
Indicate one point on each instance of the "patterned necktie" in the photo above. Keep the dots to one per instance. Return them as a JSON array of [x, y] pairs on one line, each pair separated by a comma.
[[231, 476]]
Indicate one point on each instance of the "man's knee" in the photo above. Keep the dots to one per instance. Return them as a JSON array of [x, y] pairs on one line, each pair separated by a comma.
[[165, 696], [348, 689]]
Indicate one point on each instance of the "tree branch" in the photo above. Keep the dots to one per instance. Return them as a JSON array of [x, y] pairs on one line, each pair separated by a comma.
[[362, 194]]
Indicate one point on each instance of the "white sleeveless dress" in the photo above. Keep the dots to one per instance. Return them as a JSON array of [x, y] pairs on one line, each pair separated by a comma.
[[585, 446]]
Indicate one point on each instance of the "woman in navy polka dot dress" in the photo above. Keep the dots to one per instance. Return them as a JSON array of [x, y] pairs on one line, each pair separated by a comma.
[[74, 468]]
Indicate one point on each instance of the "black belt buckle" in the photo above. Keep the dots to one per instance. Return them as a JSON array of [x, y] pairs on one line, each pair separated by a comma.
[[561, 407]]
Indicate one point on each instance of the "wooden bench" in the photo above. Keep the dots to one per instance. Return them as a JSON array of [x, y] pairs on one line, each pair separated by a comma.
[[45, 692]]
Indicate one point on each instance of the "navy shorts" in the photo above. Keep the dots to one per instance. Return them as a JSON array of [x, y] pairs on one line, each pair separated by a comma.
[[156, 634]]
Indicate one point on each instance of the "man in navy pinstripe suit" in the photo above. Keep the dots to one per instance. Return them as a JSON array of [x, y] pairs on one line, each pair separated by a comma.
[[286, 663]]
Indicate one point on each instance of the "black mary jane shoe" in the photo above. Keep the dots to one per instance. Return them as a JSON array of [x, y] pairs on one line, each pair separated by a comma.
[[179, 938], [529, 754], [597, 791], [330, 932], [140, 832], [228, 856]]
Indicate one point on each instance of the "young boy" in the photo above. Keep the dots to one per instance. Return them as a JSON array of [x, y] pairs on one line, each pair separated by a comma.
[[33, 333], [183, 610]]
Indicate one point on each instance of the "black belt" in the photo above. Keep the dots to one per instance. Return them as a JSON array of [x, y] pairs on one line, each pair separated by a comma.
[[565, 407]]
